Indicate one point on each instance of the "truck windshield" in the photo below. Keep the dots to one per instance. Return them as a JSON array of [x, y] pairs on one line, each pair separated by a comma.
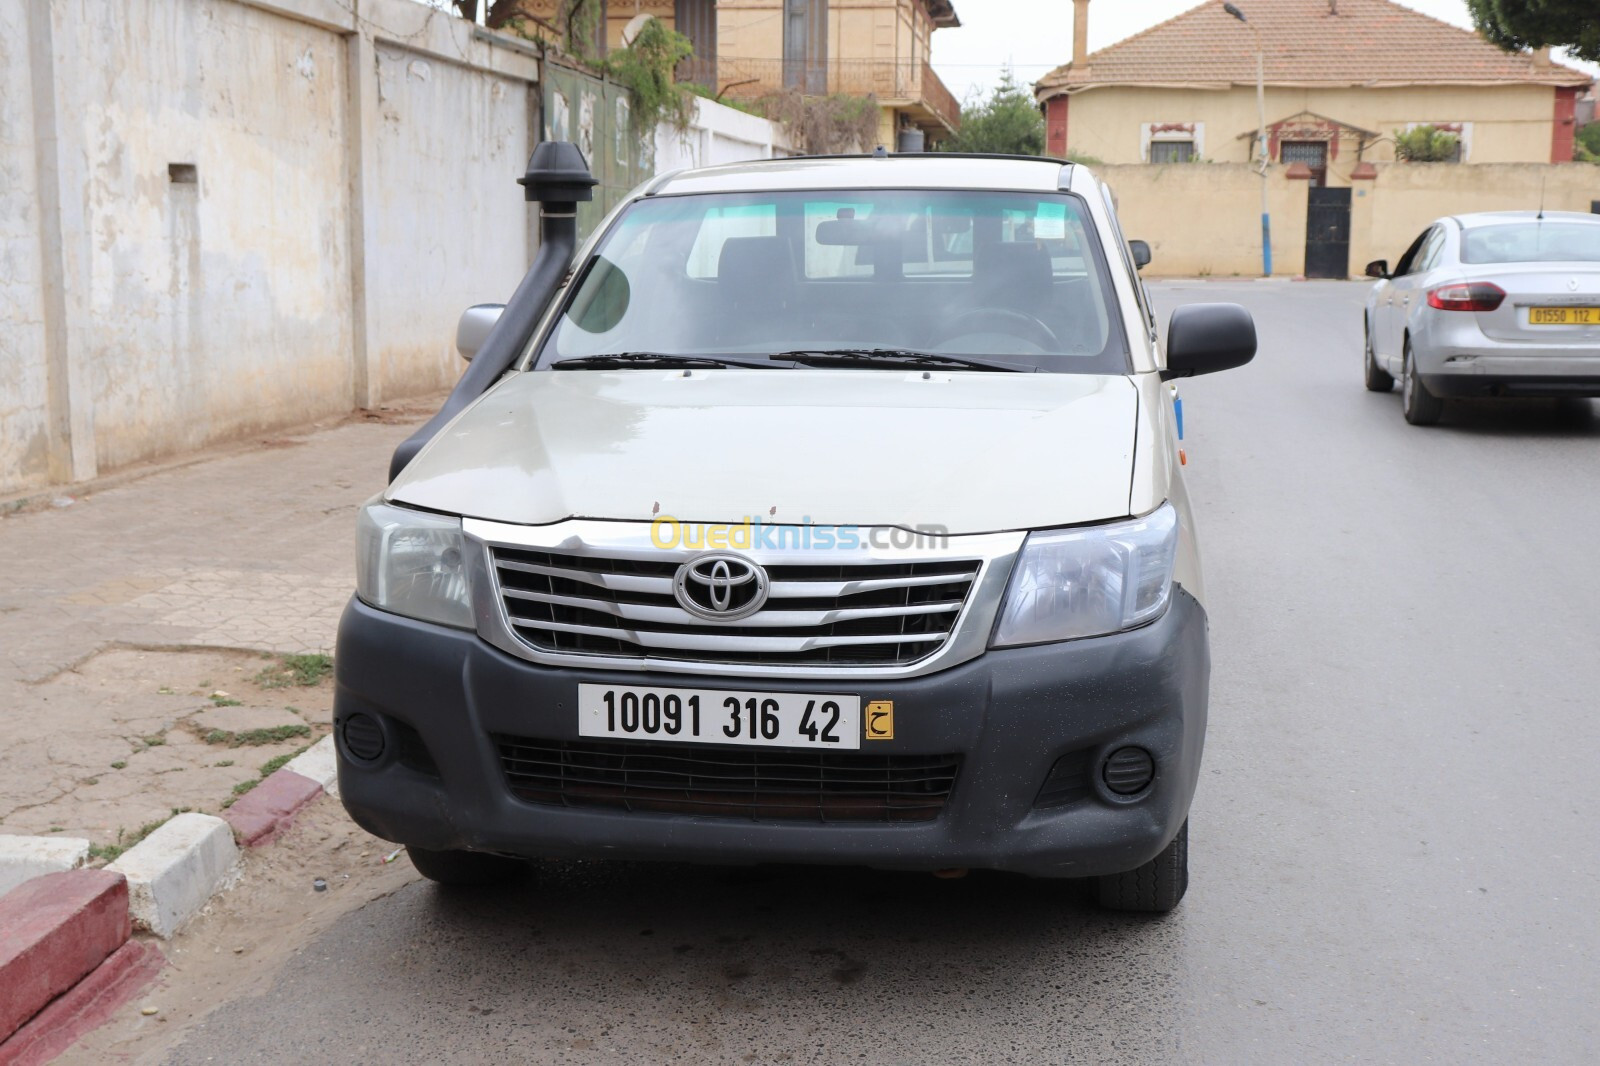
[[1005, 276]]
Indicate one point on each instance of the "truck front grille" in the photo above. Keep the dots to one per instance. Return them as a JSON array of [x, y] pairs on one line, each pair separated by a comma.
[[753, 784], [853, 614]]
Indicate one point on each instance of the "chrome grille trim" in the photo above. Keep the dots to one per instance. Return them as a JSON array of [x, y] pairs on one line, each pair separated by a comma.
[[640, 612], [529, 587]]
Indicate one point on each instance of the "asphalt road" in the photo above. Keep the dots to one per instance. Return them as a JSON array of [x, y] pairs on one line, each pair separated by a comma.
[[1392, 847]]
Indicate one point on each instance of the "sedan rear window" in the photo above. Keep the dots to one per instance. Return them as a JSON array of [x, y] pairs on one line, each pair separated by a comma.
[[1015, 276], [1532, 242]]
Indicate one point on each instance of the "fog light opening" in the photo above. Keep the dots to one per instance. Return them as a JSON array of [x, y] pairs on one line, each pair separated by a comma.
[[363, 737], [1128, 771]]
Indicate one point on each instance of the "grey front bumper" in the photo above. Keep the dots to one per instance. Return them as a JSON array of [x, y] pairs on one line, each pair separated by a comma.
[[1010, 715]]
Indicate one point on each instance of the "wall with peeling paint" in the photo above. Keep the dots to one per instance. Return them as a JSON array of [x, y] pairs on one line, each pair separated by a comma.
[[223, 217], [24, 397], [449, 143], [215, 261], [219, 218]]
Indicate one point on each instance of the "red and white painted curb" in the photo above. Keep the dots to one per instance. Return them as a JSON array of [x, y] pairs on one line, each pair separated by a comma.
[[66, 958]]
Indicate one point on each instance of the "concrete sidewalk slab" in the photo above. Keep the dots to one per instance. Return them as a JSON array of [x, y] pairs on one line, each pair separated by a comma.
[[86, 1006], [53, 931], [266, 810], [173, 872], [23, 858]]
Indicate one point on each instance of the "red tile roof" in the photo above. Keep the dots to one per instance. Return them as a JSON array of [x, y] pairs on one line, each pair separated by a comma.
[[1367, 43]]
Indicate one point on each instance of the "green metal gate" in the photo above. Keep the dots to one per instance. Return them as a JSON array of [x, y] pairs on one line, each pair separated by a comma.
[[594, 114]]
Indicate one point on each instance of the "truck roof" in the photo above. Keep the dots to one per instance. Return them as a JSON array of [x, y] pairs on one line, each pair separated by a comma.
[[932, 170]]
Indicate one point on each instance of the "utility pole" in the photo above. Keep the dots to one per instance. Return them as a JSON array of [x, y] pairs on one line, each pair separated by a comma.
[[1261, 138]]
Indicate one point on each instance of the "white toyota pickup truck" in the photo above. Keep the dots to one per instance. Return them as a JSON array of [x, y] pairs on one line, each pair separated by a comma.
[[815, 511]]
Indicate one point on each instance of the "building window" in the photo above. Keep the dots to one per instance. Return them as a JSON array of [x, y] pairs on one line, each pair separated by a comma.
[[1171, 142], [1171, 151], [805, 45], [1314, 154]]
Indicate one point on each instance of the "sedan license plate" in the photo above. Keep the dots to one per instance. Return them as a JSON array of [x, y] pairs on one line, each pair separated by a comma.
[[1564, 316], [825, 722]]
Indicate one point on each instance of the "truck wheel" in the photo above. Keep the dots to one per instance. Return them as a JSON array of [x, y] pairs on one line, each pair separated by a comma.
[[1157, 886], [1377, 380], [464, 867], [1421, 407]]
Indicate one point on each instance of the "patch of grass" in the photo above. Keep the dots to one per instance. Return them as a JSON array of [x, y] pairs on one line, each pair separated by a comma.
[[226, 701], [154, 741], [119, 765], [225, 762], [273, 765], [277, 734], [126, 840], [301, 670], [245, 786], [254, 738], [58, 829]]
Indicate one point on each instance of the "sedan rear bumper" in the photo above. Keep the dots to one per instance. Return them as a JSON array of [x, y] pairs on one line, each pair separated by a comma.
[[1470, 365], [1468, 386]]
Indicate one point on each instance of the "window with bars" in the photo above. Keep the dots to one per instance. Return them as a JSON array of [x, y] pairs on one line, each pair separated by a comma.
[[1171, 151]]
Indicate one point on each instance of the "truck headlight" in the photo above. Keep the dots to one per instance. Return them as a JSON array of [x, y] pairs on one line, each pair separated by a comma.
[[1072, 583], [412, 563]]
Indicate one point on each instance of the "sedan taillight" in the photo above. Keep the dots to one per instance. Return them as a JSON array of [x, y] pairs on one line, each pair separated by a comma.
[[1466, 296]]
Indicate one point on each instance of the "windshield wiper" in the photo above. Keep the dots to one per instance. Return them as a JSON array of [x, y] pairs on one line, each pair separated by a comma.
[[630, 360], [893, 357]]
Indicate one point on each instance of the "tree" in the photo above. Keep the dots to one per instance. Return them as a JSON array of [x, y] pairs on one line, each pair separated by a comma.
[[1425, 144], [1518, 24], [1008, 123], [1586, 149]]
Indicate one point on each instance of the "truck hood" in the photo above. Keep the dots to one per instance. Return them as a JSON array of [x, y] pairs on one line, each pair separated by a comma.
[[970, 452]]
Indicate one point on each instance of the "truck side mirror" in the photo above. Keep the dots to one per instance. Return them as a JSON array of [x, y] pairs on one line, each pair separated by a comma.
[[473, 329], [1205, 338]]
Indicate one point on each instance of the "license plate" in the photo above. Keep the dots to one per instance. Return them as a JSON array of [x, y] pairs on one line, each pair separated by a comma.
[[824, 722], [1564, 316]]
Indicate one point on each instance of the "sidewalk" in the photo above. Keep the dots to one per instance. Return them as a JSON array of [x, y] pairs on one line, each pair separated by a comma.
[[143, 629]]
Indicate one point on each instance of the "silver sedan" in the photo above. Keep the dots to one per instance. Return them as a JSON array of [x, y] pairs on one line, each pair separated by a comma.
[[1503, 303]]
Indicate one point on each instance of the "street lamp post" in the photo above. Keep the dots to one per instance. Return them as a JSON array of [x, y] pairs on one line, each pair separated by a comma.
[[1261, 138]]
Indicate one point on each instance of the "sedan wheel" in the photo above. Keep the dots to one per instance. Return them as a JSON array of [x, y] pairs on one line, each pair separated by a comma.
[[1421, 407], [1377, 380]]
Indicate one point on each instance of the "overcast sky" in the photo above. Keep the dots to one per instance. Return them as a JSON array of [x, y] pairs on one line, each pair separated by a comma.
[[1036, 35]]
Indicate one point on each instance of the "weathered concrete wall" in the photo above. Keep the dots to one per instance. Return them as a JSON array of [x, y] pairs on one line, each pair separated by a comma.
[[1205, 219], [212, 301], [1406, 198], [25, 447], [718, 134], [449, 227], [223, 216], [1202, 219]]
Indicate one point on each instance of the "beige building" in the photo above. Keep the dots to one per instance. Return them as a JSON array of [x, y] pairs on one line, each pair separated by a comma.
[[750, 48], [1341, 78], [843, 46]]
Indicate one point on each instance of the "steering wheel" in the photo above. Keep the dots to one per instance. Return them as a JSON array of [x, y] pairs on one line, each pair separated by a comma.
[[1004, 320]]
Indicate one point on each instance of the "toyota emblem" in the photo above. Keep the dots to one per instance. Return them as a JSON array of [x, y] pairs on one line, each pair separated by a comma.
[[720, 587]]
